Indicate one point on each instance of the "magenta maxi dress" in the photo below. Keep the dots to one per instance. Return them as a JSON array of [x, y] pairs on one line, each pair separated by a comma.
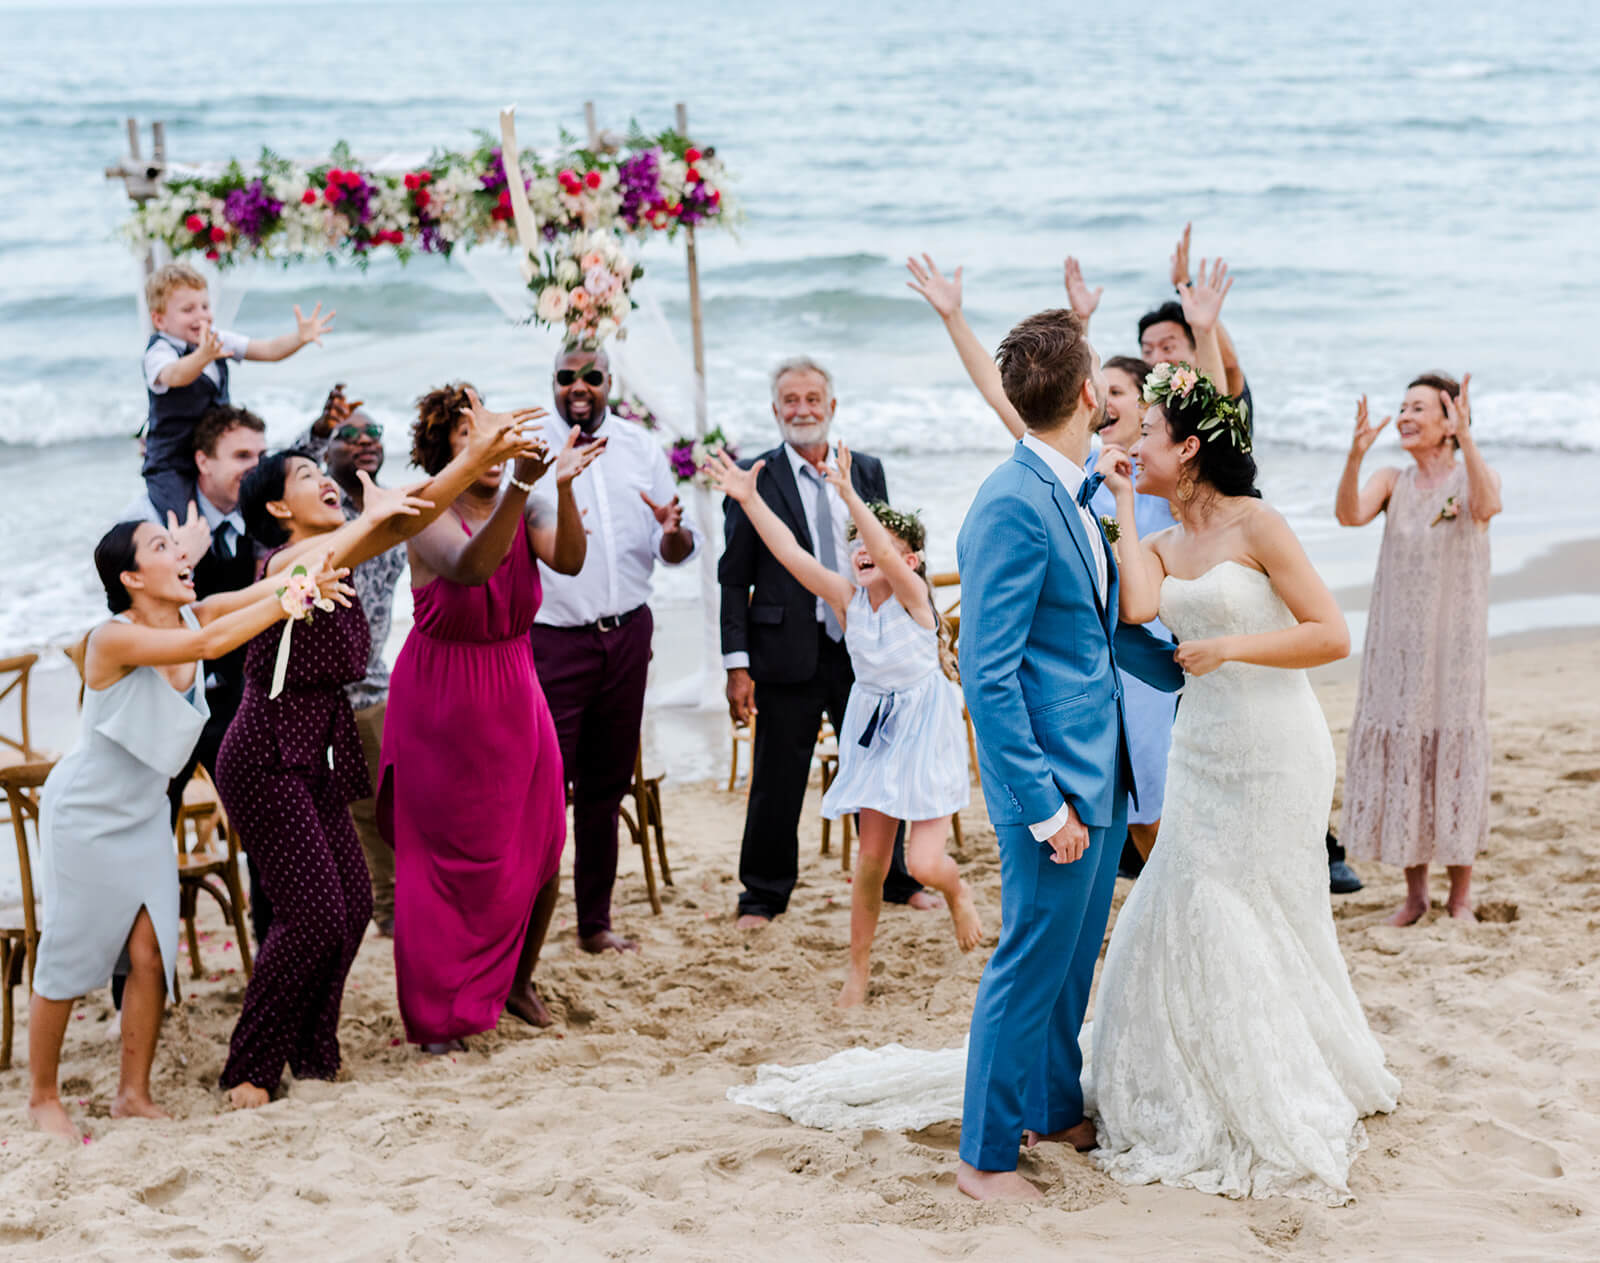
[[471, 796]]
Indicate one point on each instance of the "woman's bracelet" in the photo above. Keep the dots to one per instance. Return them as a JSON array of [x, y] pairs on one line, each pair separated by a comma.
[[520, 485]]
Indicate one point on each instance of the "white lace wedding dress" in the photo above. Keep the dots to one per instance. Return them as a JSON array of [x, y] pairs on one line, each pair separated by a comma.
[[1228, 1051]]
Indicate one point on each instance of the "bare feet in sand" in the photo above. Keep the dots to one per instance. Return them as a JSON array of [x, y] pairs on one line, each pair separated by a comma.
[[606, 941], [1080, 1136], [1411, 911], [752, 921], [995, 1186], [52, 1118], [854, 991], [449, 1046], [246, 1096], [527, 1006], [126, 1105], [925, 901], [969, 930], [1461, 911]]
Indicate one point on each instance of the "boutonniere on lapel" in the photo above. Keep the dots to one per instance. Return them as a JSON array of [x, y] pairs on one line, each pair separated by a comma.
[[1110, 527], [1446, 514]]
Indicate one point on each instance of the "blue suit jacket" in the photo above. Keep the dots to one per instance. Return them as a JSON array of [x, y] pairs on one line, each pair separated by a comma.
[[1039, 652]]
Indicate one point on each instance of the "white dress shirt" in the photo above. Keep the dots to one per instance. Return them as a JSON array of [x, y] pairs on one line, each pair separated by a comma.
[[167, 349], [803, 469], [1072, 478], [142, 510], [624, 536]]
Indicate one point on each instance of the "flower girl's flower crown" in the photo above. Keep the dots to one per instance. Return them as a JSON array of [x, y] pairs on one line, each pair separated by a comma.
[[903, 526], [1189, 388]]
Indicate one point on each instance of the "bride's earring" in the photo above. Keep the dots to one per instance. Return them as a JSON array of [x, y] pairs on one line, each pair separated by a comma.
[[1185, 488]]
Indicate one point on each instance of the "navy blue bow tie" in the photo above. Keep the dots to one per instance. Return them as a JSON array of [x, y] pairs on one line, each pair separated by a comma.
[[1091, 484]]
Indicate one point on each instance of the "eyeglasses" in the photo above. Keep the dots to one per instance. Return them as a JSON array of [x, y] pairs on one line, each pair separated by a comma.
[[350, 433], [566, 376]]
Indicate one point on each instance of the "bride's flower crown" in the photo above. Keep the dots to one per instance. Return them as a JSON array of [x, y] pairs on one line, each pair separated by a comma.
[[1189, 387]]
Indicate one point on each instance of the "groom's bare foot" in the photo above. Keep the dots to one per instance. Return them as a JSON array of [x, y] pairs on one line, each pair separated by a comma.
[[52, 1118], [969, 929], [1080, 1136], [606, 941], [923, 901], [1410, 912], [994, 1186], [752, 921]]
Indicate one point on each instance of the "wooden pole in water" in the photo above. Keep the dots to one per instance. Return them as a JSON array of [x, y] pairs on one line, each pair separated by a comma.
[[591, 126], [695, 323]]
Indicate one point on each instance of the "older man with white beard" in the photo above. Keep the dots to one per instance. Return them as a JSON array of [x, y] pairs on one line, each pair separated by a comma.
[[782, 647]]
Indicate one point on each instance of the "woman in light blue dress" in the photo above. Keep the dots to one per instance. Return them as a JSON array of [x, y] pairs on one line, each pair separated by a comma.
[[902, 751], [108, 860]]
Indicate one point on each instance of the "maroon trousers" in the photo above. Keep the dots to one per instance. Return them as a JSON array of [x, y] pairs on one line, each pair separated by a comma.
[[594, 681]]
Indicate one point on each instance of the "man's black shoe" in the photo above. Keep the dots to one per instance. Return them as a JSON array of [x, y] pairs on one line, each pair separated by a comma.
[[1342, 879]]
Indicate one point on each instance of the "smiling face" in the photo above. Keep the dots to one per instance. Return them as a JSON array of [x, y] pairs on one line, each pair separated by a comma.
[[1420, 421], [1165, 342], [310, 504], [235, 453], [582, 386], [804, 407], [161, 572], [865, 572], [1160, 460], [356, 444], [1124, 408], [187, 314]]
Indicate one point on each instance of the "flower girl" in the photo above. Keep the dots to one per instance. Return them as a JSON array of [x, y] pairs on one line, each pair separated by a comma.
[[902, 751]]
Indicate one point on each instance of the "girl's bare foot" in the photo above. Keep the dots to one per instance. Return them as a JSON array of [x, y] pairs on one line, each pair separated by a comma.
[[1411, 911], [1462, 911], [52, 1118], [127, 1105], [969, 930], [526, 1005], [854, 991], [246, 1096]]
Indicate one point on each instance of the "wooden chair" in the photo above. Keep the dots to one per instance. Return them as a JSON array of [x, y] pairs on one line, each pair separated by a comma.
[[19, 922], [78, 653], [15, 674], [646, 824], [209, 861], [741, 735], [827, 755]]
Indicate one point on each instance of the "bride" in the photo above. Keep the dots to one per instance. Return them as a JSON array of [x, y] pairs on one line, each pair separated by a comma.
[[1229, 1052]]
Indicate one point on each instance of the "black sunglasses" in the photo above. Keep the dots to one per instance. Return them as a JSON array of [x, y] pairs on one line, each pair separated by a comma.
[[350, 433], [566, 376]]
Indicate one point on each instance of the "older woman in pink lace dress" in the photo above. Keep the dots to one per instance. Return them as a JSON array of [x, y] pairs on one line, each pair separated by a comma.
[[1416, 789]]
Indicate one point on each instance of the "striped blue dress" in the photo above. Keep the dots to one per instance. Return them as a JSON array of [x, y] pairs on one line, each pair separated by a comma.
[[903, 750]]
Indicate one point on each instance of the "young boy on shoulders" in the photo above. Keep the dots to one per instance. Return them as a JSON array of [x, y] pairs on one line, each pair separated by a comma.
[[186, 372]]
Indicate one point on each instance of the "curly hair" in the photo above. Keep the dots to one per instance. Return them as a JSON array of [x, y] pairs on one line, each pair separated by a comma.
[[217, 420], [438, 414]]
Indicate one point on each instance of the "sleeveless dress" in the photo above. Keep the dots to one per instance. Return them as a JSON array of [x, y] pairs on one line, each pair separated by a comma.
[[1416, 783], [287, 772], [105, 828], [1230, 1053], [471, 795], [903, 749]]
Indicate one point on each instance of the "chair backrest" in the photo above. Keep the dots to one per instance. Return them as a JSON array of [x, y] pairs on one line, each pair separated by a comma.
[[952, 612], [208, 818], [14, 677], [20, 785], [78, 652]]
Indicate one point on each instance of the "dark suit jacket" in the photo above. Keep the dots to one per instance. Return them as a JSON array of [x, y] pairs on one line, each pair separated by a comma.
[[217, 572], [765, 610]]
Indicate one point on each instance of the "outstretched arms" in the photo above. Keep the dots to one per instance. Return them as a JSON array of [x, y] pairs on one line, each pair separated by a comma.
[[1355, 505], [944, 296], [909, 587]]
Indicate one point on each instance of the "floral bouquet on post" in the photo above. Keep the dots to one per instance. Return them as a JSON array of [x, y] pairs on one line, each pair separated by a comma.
[[584, 284], [689, 457]]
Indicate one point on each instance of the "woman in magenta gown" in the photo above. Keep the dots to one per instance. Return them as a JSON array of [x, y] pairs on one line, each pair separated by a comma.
[[471, 792]]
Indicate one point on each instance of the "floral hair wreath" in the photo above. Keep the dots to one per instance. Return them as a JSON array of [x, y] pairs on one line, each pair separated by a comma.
[[1220, 414], [906, 527]]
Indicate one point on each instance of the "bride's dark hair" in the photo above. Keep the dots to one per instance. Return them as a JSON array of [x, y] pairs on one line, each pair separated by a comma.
[[1222, 461]]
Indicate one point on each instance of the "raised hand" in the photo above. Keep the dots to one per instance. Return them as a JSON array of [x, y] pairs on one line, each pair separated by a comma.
[[573, 460], [311, 328], [1202, 301], [193, 534], [1457, 412], [670, 514], [331, 586], [1180, 258], [497, 436], [724, 472], [210, 347], [379, 504], [943, 293], [336, 410], [1366, 433], [837, 472], [1083, 300]]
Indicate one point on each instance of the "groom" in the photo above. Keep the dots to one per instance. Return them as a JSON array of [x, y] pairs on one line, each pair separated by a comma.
[[1038, 667]]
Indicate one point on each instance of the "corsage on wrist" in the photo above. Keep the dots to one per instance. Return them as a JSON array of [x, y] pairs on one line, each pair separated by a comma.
[[300, 600]]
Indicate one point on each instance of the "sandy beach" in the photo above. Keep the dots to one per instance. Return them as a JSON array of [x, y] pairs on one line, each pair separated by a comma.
[[609, 1136]]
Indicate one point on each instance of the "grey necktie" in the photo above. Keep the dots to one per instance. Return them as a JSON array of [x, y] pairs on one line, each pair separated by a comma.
[[826, 553]]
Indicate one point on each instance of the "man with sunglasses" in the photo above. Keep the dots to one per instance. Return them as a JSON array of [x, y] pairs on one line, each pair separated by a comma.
[[347, 441], [591, 640]]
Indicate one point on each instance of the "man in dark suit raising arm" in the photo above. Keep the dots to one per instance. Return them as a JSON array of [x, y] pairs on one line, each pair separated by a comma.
[[782, 647]]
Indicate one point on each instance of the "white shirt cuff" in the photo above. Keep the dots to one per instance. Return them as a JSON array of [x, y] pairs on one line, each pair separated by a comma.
[[1049, 828], [735, 661]]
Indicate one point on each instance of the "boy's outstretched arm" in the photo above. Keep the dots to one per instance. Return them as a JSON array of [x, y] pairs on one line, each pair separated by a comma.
[[306, 329]]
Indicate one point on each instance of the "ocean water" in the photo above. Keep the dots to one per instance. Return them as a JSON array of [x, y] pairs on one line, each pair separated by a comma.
[[1396, 188]]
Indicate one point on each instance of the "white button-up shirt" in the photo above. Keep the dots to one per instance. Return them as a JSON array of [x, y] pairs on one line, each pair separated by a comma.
[[624, 536], [167, 349], [1072, 478]]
